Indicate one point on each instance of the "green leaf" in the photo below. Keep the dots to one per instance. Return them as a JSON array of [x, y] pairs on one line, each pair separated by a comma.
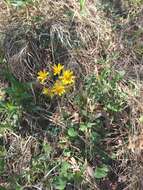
[[64, 168], [18, 187], [47, 148], [96, 137], [67, 153], [101, 172], [85, 126], [72, 132], [82, 3], [60, 184]]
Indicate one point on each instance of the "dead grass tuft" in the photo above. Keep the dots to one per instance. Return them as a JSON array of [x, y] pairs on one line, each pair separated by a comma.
[[64, 29], [19, 153]]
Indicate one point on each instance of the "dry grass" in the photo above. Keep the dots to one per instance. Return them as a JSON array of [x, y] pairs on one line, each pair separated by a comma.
[[64, 22], [83, 38]]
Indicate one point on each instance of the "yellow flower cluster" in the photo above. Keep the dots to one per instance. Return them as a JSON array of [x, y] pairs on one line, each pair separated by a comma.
[[65, 79]]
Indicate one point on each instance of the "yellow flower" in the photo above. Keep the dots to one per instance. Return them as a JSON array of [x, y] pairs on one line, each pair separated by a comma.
[[58, 88], [42, 76], [68, 77], [47, 91], [57, 69]]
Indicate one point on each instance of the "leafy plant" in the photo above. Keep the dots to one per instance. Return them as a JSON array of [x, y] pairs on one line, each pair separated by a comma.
[[101, 172], [72, 132], [105, 90], [18, 92], [63, 81], [16, 99]]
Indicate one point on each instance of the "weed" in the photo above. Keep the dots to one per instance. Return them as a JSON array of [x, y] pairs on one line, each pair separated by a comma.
[[64, 80], [105, 90]]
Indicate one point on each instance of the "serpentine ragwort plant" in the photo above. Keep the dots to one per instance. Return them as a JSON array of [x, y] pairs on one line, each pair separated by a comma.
[[65, 79]]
